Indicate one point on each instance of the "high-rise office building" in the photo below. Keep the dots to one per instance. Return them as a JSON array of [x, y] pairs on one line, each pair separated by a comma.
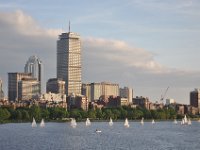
[[69, 62], [1, 90], [55, 85], [28, 88], [195, 98], [126, 92], [34, 66], [95, 90], [13, 80]]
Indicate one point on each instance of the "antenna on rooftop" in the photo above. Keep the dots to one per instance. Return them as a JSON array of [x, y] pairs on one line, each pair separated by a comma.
[[69, 26]]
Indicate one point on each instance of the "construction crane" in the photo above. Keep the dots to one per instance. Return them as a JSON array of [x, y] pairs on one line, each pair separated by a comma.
[[163, 95]]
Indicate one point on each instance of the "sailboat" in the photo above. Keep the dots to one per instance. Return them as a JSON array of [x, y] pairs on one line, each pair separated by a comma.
[[73, 123], [175, 121], [126, 124], [185, 120], [42, 124], [199, 120], [87, 123], [142, 121], [34, 124], [110, 122], [153, 122], [189, 122]]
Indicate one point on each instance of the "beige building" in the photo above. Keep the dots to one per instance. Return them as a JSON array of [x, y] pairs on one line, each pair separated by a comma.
[[95, 90], [55, 85], [126, 92], [69, 62], [53, 97], [1, 90], [13, 79], [28, 88]]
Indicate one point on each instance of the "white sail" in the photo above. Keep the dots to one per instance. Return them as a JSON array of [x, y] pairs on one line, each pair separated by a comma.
[[199, 120], [153, 122], [142, 121], [126, 124], [110, 122], [42, 124], [87, 123], [189, 122], [34, 124], [185, 120], [175, 121], [73, 123]]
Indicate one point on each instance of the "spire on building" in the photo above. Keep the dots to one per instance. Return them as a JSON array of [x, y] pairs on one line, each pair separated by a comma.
[[69, 26]]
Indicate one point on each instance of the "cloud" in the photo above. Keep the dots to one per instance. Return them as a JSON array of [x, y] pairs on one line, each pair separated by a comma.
[[120, 51], [103, 59]]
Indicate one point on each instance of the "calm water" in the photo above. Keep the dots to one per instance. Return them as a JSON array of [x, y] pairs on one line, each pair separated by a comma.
[[60, 136]]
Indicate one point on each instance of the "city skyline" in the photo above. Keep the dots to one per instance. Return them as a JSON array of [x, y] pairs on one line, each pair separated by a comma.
[[146, 45]]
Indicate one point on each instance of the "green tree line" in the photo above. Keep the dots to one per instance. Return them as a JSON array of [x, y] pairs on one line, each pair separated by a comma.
[[56, 113]]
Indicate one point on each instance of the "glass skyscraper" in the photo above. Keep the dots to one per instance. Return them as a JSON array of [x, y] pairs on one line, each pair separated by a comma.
[[69, 62], [34, 66]]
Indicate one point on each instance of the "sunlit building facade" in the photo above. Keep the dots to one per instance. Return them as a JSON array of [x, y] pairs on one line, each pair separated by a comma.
[[13, 80], [28, 88], [94, 91], [126, 92], [69, 62]]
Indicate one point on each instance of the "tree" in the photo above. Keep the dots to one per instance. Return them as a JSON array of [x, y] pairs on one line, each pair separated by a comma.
[[4, 114], [99, 113], [25, 115], [35, 112]]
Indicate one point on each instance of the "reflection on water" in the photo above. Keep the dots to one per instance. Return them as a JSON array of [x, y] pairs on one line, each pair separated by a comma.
[[61, 136]]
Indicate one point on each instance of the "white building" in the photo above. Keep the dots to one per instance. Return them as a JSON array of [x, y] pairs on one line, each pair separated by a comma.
[[53, 97], [126, 92], [69, 61], [170, 101]]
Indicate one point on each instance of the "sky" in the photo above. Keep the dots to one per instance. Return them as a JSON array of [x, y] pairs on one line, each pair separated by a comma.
[[147, 45]]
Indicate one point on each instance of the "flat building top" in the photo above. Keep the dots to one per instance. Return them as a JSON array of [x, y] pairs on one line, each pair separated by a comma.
[[69, 35]]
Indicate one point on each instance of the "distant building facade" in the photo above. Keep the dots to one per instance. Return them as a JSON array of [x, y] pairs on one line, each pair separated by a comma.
[[195, 98], [127, 92], [34, 66], [77, 101], [53, 97], [13, 80], [69, 62], [170, 101], [1, 90], [28, 88], [93, 91], [142, 102], [55, 85]]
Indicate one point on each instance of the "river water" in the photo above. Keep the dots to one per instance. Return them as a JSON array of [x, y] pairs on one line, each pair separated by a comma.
[[61, 136]]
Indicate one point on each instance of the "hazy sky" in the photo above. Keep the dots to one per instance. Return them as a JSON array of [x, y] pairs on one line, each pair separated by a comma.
[[144, 44]]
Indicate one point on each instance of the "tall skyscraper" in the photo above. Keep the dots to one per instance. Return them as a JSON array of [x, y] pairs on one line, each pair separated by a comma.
[[69, 62], [34, 66], [13, 80], [1, 90], [195, 98]]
